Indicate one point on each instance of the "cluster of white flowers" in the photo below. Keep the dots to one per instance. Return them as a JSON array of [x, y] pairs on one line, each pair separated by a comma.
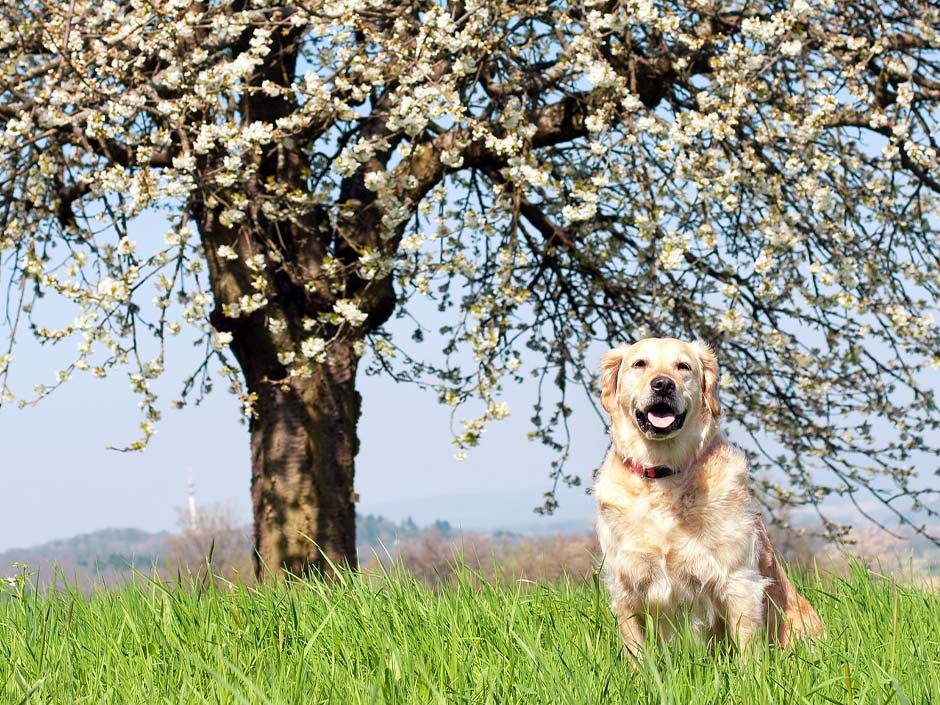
[[314, 349], [350, 313]]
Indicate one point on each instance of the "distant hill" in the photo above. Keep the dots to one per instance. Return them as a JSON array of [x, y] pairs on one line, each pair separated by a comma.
[[105, 554], [374, 531]]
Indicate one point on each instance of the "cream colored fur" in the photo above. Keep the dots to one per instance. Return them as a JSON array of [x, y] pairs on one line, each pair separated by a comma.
[[689, 544]]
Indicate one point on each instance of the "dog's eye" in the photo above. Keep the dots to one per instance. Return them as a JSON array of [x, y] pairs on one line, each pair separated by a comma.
[[684, 366], [640, 364]]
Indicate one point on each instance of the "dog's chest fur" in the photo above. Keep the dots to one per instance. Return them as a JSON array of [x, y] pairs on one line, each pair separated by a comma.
[[677, 541]]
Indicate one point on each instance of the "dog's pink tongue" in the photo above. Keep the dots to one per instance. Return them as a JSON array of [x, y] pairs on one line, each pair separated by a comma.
[[660, 419]]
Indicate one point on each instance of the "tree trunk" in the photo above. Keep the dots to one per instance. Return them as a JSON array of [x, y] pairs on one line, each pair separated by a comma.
[[303, 448], [303, 432]]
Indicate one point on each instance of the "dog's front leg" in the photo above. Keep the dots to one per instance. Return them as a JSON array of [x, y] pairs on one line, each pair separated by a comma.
[[632, 622], [744, 607], [742, 628]]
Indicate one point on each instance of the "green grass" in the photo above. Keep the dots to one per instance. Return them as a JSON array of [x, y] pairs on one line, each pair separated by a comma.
[[398, 642]]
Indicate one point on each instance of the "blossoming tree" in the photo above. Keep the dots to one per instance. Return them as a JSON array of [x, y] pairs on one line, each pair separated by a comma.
[[553, 176]]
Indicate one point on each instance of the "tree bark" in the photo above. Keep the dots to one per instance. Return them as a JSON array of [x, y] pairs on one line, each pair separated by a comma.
[[303, 449]]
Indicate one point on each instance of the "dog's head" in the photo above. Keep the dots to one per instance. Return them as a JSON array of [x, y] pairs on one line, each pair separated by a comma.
[[662, 395]]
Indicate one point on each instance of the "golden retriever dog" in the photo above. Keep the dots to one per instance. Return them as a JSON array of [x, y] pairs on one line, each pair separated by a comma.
[[679, 535]]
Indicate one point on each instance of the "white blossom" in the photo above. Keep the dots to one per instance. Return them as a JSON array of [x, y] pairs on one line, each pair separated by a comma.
[[313, 348], [226, 252], [349, 312]]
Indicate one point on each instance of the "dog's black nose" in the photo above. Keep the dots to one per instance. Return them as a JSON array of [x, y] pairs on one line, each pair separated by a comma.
[[663, 385]]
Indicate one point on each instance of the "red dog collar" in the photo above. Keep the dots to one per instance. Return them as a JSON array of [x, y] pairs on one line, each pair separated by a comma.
[[653, 473]]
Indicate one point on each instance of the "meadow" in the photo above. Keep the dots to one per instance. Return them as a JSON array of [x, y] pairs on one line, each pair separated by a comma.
[[394, 640]]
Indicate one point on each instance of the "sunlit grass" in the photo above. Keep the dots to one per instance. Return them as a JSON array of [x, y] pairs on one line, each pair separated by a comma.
[[396, 641]]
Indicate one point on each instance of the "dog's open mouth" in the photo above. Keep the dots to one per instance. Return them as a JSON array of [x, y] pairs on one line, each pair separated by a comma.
[[660, 419]]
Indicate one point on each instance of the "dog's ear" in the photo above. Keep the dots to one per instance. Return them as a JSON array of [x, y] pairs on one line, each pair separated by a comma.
[[610, 374], [709, 362]]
